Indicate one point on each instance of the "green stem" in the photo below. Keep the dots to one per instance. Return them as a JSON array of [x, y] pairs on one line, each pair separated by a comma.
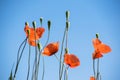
[[61, 66], [94, 67], [19, 58], [20, 48], [43, 69], [66, 73], [40, 51], [29, 62], [98, 69]]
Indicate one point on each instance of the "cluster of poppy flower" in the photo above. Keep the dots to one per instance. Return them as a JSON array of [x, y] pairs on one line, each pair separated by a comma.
[[34, 34], [99, 50], [51, 48]]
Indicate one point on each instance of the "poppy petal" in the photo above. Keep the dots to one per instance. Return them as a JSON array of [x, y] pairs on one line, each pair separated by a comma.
[[103, 48], [96, 42], [51, 49], [97, 54], [71, 60], [40, 31], [32, 43], [32, 35], [92, 78]]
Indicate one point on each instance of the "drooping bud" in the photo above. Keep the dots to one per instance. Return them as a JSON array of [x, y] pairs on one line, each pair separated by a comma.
[[49, 24], [67, 25], [66, 50], [41, 19], [97, 35], [26, 24], [34, 24], [67, 15], [28, 32], [39, 46]]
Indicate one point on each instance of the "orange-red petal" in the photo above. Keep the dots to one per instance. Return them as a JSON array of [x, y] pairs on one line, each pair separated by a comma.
[[71, 60], [40, 31], [32, 35], [92, 78], [51, 49], [96, 42], [103, 48], [97, 54], [32, 43]]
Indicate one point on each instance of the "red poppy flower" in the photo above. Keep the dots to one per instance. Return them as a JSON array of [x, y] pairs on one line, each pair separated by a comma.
[[32, 43], [51, 49], [92, 78], [97, 54], [96, 42], [100, 48], [37, 33], [71, 60], [103, 48], [33, 34]]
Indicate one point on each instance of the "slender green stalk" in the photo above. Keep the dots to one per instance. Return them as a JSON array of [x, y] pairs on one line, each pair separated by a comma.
[[35, 61], [59, 60], [43, 69], [61, 65], [94, 68], [66, 73], [40, 51], [19, 58], [20, 48], [38, 61], [98, 69], [67, 39], [29, 62]]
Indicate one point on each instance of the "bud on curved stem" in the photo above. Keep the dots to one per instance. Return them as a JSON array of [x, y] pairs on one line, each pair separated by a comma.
[[66, 50], [28, 31], [67, 25], [34, 24], [39, 46], [49, 24], [97, 35], [41, 19], [26, 24], [67, 15]]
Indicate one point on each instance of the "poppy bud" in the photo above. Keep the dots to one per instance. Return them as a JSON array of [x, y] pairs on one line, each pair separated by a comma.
[[66, 50], [67, 25], [49, 24], [97, 35], [67, 15], [28, 31], [41, 19], [39, 46], [34, 24], [26, 24]]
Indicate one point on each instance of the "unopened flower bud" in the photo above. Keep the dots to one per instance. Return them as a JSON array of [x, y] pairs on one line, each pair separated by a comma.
[[67, 25], [97, 35], [41, 19], [26, 24], [67, 15], [49, 24], [34, 24]]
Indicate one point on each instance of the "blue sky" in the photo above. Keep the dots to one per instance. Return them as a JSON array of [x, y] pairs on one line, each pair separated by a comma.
[[87, 18]]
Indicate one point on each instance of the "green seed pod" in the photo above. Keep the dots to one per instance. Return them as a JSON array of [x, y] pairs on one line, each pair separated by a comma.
[[41, 19], [66, 50], [49, 24], [26, 24], [67, 25], [97, 35], [34, 24], [67, 15]]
